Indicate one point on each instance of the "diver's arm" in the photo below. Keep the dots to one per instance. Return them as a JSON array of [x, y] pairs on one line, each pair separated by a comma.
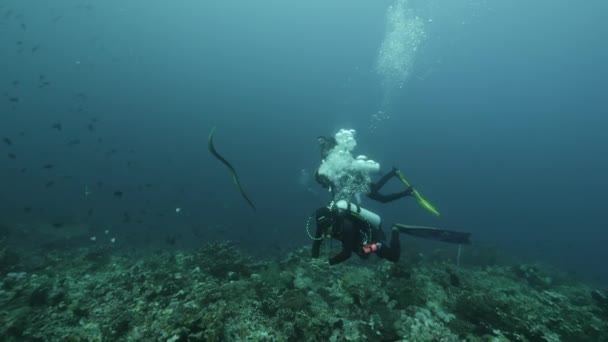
[[323, 180], [348, 244], [316, 244], [325, 183]]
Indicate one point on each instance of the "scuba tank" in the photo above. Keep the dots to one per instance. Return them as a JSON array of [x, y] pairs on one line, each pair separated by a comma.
[[372, 218]]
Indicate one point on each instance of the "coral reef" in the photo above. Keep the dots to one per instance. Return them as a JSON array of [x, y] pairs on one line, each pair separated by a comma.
[[218, 294]]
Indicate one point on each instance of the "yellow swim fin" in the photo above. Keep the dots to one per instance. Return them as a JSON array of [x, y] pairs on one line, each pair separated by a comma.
[[423, 202]]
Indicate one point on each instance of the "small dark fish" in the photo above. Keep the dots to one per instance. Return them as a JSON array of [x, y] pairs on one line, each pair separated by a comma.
[[118, 194], [57, 224], [22, 133], [90, 212], [44, 84], [129, 163], [23, 27], [41, 77], [12, 156], [14, 99], [35, 48], [19, 43], [49, 184], [57, 126], [170, 240], [126, 217], [111, 152], [56, 19], [99, 184], [23, 170], [7, 141], [48, 166], [15, 83], [80, 96], [91, 128], [73, 142], [197, 232], [27, 210]]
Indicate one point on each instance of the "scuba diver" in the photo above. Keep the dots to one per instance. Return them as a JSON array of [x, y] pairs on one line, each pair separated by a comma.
[[359, 229], [361, 233]]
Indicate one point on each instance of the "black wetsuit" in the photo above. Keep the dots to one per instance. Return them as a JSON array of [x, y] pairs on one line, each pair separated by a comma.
[[374, 192], [351, 230]]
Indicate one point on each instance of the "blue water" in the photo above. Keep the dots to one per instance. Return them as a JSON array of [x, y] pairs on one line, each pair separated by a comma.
[[501, 123]]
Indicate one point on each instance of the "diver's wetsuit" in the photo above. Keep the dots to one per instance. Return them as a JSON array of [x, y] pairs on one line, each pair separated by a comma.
[[350, 230]]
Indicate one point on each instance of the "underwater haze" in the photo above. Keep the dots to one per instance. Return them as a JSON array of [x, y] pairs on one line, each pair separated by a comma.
[[495, 110], [501, 119]]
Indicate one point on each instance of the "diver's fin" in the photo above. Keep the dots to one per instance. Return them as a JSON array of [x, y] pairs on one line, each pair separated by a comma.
[[432, 233], [421, 200]]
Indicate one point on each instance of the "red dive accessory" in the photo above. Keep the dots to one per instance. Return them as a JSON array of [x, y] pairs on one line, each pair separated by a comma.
[[371, 247]]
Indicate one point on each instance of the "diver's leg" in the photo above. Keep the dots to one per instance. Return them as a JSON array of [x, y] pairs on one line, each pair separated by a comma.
[[376, 196], [391, 252], [375, 187]]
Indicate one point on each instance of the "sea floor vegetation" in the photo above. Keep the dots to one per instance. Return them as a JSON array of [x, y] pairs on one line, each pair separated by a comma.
[[217, 293]]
